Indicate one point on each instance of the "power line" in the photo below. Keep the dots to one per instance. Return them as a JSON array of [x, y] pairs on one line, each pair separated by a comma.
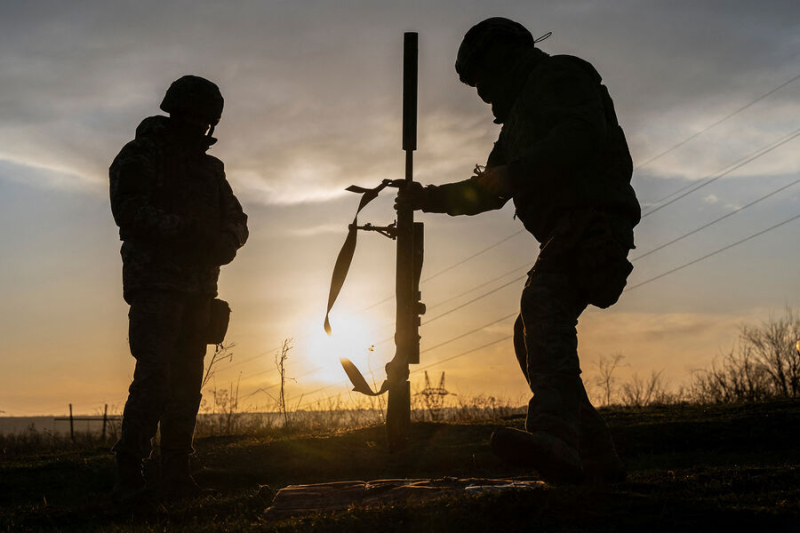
[[454, 265], [438, 304], [462, 354], [473, 256], [264, 389], [723, 217], [718, 122], [320, 400], [461, 336], [752, 156], [447, 269], [628, 289], [634, 259], [438, 273], [387, 339], [301, 396], [484, 295], [249, 359], [739, 163], [476, 287], [728, 247], [742, 162], [472, 350], [512, 314], [481, 328], [253, 358]]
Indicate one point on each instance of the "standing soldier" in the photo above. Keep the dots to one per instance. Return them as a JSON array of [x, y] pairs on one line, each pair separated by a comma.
[[179, 222], [563, 159]]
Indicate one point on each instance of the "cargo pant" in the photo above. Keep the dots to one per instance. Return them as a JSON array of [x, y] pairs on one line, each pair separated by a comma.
[[583, 264], [167, 339]]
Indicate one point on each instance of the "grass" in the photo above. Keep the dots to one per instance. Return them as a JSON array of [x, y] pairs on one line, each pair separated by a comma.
[[725, 467]]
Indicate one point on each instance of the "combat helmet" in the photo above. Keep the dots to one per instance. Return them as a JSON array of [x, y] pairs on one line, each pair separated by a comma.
[[195, 96], [496, 34]]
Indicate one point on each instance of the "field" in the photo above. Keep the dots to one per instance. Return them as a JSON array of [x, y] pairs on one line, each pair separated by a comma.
[[713, 468]]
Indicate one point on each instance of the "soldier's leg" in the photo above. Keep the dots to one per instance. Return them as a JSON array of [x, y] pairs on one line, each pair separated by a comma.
[[596, 447], [154, 323], [155, 318], [519, 347], [550, 308], [551, 304], [186, 376]]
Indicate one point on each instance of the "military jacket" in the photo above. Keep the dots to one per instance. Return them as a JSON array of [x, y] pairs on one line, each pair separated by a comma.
[[564, 149], [173, 206]]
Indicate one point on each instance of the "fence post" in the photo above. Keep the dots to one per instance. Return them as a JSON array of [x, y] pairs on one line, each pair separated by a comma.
[[105, 418], [71, 424]]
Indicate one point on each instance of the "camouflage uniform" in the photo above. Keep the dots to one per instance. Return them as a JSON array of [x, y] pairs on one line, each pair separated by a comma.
[[570, 170], [179, 221]]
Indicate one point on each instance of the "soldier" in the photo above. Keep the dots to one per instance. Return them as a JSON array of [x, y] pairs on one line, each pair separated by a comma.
[[179, 222], [563, 159]]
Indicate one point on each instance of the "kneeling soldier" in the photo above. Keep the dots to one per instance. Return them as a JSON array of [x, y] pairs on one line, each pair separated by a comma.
[[563, 159]]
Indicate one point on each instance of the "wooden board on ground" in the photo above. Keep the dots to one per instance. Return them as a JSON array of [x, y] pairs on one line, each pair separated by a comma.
[[296, 500]]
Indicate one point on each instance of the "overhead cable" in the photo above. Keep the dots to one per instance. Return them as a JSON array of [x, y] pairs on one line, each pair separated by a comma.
[[718, 122], [715, 252]]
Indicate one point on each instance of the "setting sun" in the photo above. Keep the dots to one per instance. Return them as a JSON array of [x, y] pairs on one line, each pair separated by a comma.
[[368, 345]]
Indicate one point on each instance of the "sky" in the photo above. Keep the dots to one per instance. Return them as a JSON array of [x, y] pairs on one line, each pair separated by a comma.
[[313, 104]]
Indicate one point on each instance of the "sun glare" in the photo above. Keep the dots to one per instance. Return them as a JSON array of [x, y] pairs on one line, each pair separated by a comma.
[[354, 338]]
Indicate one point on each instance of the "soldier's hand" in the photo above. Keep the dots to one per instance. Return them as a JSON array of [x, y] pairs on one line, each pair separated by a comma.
[[208, 244], [411, 195], [495, 180]]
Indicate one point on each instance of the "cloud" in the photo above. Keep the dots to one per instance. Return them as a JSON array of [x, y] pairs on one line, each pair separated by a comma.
[[313, 99], [41, 175], [318, 230], [313, 90]]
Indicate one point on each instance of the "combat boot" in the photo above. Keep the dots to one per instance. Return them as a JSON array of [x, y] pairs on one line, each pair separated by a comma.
[[596, 448], [130, 485], [176, 479], [601, 463], [554, 459]]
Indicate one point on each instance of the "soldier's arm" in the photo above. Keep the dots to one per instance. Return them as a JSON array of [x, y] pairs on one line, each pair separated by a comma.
[[234, 219], [223, 241], [577, 127], [132, 184], [465, 197]]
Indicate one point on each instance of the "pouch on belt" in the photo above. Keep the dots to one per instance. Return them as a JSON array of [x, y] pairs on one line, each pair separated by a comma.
[[218, 322]]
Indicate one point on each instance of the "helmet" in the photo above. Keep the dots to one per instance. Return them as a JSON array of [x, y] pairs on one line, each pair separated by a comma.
[[195, 96], [492, 34]]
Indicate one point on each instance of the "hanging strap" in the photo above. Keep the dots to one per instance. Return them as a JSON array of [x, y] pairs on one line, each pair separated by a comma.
[[342, 265], [340, 270], [358, 381]]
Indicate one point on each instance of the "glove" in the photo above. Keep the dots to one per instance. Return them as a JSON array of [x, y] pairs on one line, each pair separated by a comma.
[[412, 195], [494, 180], [209, 245]]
